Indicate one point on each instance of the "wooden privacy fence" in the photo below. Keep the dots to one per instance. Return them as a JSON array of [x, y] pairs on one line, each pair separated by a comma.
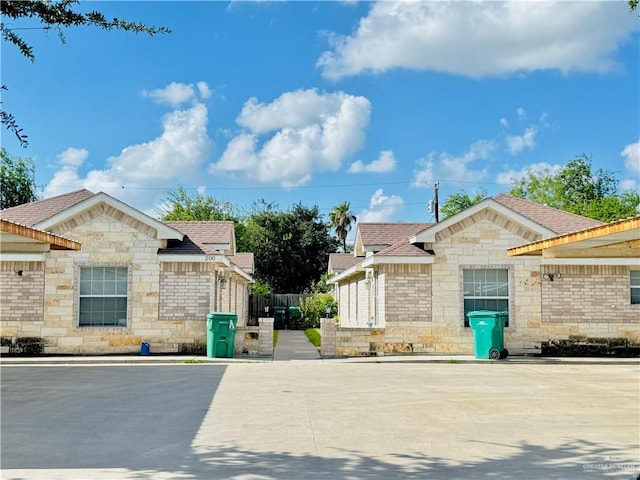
[[279, 308]]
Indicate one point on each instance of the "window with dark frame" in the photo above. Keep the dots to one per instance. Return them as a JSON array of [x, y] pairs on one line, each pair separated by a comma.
[[635, 287], [103, 297], [485, 289]]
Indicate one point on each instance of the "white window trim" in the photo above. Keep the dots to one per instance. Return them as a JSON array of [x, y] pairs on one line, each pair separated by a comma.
[[76, 312], [510, 281]]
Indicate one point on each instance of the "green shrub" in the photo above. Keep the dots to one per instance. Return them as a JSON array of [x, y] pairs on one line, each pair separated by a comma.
[[314, 308]]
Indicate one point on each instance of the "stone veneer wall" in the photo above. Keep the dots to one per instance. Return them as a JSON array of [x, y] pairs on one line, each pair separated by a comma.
[[255, 340], [109, 238]]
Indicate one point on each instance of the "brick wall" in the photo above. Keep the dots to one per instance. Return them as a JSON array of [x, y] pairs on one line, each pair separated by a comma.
[[406, 293], [588, 294], [186, 291], [22, 295]]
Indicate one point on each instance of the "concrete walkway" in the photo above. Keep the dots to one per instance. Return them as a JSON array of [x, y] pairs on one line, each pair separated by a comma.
[[294, 345]]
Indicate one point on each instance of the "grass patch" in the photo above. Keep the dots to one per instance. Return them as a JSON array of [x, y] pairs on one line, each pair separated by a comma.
[[192, 360], [313, 334], [275, 337], [453, 360]]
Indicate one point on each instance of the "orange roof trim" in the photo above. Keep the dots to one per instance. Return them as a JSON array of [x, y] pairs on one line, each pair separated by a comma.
[[56, 241], [617, 227]]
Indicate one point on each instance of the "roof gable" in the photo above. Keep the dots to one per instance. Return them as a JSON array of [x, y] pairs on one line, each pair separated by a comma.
[[544, 221], [203, 237], [339, 262], [162, 231], [32, 213], [373, 237]]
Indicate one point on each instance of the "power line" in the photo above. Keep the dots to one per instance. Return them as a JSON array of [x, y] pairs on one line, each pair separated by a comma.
[[302, 187]]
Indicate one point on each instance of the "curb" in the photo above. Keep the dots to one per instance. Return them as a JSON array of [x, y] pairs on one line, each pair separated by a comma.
[[399, 359]]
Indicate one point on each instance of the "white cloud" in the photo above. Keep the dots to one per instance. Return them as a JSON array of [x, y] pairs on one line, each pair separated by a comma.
[[176, 94], [522, 114], [177, 154], [454, 169], [383, 164], [509, 176], [73, 157], [382, 208], [500, 38], [504, 122], [517, 143], [310, 131], [631, 155], [204, 90]]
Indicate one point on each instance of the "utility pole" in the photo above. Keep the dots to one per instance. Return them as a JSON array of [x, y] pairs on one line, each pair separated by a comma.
[[435, 201]]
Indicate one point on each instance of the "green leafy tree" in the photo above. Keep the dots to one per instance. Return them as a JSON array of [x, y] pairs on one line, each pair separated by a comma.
[[576, 188], [54, 14], [290, 248], [460, 201], [633, 5], [17, 180], [178, 205], [321, 285], [612, 208], [341, 220], [259, 287]]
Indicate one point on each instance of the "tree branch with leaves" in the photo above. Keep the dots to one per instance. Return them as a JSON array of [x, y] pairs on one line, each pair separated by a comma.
[[57, 15]]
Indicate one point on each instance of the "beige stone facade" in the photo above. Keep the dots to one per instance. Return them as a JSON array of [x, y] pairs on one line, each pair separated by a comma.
[[420, 306], [167, 299]]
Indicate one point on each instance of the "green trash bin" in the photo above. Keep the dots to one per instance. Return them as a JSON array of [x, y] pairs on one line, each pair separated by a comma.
[[221, 334], [488, 333], [280, 318]]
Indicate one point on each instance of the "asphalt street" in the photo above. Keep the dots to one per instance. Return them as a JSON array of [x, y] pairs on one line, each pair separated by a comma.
[[321, 419]]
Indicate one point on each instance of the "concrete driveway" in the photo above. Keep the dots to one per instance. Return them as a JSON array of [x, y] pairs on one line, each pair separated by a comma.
[[324, 419]]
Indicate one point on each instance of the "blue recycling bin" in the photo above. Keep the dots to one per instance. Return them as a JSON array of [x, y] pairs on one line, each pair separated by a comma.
[[145, 348]]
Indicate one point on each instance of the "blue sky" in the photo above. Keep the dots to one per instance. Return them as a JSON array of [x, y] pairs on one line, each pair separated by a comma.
[[325, 102]]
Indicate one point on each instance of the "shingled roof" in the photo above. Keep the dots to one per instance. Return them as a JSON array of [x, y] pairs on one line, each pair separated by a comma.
[[201, 237], [243, 260], [556, 220], [387, 234], [402, 249], [339, 262], [35, 212]]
